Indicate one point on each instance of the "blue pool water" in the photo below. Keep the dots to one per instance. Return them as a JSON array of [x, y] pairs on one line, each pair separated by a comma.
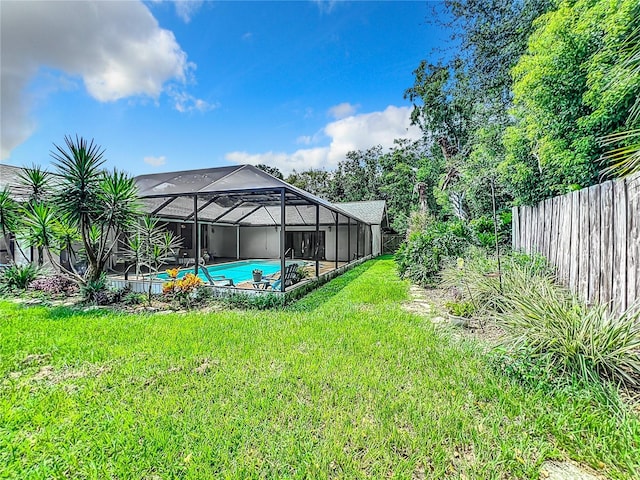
[[240, 271]]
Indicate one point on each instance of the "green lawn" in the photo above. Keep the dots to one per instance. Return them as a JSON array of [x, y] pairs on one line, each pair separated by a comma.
[[343, 384]]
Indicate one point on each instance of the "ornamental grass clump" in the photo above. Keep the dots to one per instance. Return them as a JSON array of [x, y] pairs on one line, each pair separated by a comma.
[[478, 280], [557, 330]]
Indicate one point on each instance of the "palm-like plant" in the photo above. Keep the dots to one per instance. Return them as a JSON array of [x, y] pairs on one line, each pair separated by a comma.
[[40, 230], [150, 245], [625, 159], [9, 209], [37, 181], [101, 204]]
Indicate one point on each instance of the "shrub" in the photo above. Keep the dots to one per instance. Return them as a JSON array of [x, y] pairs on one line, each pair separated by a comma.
[[461, 309], [182, 289], [55, 285], [557, 329], [421, 256], [259, 302], [95, 291], [477, 279], [484, 230], [133, 298], [18, 276]]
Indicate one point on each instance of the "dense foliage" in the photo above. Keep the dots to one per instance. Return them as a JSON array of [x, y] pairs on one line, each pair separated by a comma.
[[564, 98]]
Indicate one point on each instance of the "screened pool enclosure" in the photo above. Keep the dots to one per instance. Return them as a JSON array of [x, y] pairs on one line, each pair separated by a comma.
[[242, 212]]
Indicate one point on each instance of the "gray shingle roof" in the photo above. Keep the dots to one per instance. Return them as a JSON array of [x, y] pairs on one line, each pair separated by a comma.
[[371, 211]]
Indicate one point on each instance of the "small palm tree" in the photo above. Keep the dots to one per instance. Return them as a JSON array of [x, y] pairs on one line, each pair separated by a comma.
[[9, 209], [100, 204], [39, 230], [37, 181], [150, 245], [625, 159]]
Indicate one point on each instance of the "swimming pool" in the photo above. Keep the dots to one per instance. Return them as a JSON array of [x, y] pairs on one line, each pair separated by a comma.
[[239, 271]]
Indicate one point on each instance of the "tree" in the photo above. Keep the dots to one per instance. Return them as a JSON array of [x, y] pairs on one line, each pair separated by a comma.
[[318, 182], [99, 204], [9, 214], [563, 100], [625, 158], [270, 170], [150, 245]]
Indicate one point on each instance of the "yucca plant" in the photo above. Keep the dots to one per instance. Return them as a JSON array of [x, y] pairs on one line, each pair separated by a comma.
[[557, 330], [9, 212], [18, 276], [93, 200]]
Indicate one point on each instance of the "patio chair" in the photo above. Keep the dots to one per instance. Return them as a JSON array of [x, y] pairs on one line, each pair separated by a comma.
[[290, 277], [215, 280]]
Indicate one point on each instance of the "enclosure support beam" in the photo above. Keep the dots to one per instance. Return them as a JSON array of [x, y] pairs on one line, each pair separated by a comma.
[[337, 218], [162, 205], [317, 240], [196, 234], [237, 242], [283, 222], [357, 239], [209, 202], [349, 239]]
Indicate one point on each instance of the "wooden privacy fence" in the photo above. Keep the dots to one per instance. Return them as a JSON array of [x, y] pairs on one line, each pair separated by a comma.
[[592, 237]]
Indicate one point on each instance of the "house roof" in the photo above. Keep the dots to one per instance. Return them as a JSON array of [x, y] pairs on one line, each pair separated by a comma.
[[9, 176], [370, 211], [242, 194]]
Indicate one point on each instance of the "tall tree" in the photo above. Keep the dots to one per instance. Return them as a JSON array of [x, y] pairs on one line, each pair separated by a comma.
[[562, 103], [270, 170], [100, 204]]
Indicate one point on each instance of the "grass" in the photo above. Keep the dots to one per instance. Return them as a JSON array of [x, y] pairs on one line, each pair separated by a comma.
[[343, 384]]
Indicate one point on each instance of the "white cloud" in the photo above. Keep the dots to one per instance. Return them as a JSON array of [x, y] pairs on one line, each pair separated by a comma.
[[155, 161], [343, 110], [325, 6], [186, 9], [357, 132], [117, 48], [184, 102], [247, 36]]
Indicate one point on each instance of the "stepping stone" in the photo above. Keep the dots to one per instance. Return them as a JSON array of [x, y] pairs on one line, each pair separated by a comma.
[[555, 470]]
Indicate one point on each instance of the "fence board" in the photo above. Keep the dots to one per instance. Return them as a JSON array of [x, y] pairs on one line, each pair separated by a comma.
[[606, 239], [574, 243], [594, 247], [592, 237], [633, 253], [620, 245], [515, 232], [556, 230], [548, 230], [584, 250]]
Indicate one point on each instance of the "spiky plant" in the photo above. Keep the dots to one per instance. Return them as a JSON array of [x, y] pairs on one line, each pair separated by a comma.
[[149, 246], [37, 181], [39, 229], [9, 209], [557, 330], [93, 200]]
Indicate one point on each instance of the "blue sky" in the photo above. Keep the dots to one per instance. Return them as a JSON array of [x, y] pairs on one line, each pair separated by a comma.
[[178, 85]]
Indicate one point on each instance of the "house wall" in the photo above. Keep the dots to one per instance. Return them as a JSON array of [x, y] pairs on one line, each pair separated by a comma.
[[264, 242], [376, 231], [221, 241]]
